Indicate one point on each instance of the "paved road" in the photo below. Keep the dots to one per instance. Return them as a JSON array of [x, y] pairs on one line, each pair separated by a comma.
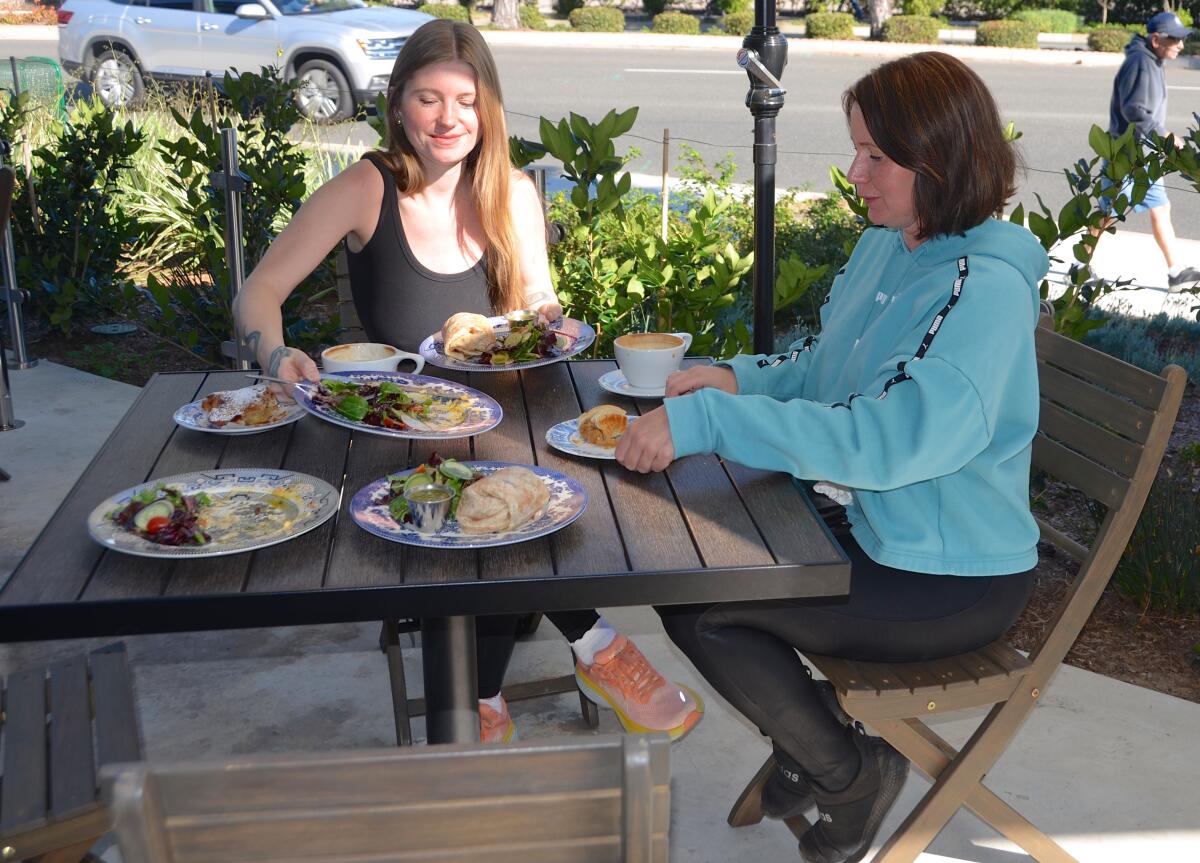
[[699, 96]]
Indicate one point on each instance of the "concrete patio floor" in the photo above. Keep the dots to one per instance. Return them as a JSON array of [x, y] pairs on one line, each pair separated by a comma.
[[1108, 769]]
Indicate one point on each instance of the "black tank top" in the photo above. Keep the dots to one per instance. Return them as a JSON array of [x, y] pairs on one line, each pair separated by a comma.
[[399, 301]]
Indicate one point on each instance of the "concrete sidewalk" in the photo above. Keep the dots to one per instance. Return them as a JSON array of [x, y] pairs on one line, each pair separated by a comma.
[[1107, 768]]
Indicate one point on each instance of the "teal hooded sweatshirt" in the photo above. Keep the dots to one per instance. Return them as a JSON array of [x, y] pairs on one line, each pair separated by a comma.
[[919, 396]]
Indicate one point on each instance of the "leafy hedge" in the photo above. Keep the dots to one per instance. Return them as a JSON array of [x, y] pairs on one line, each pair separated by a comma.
[[654, 8], [1006, 34], [829, 25], [565, 7], [531, 17], [922, 8], [917, 29], [727, 7], [1050, 20], [675, 22], [1110, 40], [597, 19], [446, 10], [738, 23]]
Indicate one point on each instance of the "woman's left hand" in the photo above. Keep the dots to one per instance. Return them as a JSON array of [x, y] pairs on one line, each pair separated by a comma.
[[646, 445], [549, 312]]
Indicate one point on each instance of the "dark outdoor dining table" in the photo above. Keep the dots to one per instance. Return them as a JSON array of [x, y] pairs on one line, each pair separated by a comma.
[[703, 531]]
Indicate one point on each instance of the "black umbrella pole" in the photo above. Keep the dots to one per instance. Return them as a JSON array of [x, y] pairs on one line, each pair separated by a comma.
[[764, 235]]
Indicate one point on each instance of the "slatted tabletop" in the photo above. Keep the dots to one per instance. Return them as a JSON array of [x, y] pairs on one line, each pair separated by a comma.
[[702, 531]]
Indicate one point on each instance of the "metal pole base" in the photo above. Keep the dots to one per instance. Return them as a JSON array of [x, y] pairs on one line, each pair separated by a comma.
[[16, 424], [16, 366], [448, 661]]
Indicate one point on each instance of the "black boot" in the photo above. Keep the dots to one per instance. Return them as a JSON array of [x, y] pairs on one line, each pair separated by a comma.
[[850, 818], [787, 793]]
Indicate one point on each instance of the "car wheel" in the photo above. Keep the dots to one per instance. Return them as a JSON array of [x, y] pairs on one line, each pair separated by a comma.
[[117, 80], [324, 95]]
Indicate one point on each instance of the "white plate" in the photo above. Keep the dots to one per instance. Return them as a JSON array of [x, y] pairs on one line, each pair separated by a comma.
[[192, 416], [483, 414], [565, 436], [573, 337], [252, 508], [568, 500], [615, 383]]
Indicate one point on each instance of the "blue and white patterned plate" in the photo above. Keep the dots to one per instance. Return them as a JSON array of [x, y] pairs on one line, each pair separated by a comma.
[[193, 416], [573, 337], [251, 508], [565, 437], [483, 413], [568, 500]]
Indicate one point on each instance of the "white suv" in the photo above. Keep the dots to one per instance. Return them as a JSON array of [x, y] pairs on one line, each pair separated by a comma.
[[341, 50]]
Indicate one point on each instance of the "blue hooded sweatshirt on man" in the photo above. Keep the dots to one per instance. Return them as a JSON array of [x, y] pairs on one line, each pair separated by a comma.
[[920, 396], [1139, 93]]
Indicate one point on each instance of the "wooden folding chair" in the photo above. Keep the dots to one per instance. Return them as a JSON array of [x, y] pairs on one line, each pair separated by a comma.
[[599, 800], [50, 810], [1104, 426]]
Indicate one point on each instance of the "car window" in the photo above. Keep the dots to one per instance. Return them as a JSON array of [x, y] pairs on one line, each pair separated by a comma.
[[164, 4], [227, 7], [315, 7]]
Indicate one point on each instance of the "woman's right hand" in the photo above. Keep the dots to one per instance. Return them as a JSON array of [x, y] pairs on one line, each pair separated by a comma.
[[290, 364], [699, 377]]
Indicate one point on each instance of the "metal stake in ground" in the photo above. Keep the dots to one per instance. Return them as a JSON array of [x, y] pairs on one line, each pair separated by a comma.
[[233, 183], [14, 296], [764, 55]]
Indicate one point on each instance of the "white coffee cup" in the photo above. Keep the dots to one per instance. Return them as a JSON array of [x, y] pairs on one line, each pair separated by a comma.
[[367, 357], [647, 359]]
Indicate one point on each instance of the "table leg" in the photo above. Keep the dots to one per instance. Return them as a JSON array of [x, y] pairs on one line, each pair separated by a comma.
[[451, 683]]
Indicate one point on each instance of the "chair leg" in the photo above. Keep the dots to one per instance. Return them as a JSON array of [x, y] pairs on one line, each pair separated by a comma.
[[747, 809], [931, 755], [77, 853], [958, 781], [591, 713], [390, 636]]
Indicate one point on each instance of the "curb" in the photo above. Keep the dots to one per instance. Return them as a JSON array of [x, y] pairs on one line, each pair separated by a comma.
[[797, 45]]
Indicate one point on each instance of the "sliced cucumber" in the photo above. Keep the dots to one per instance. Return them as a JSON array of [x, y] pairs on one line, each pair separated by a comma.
[[151, 511], [418, 479], [455, 469]]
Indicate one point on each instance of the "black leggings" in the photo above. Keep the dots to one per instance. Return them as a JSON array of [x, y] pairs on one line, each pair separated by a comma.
[[496, 634], [747, 650]]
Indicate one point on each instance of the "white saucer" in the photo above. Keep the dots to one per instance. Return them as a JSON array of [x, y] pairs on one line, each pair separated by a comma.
[[615, 383]]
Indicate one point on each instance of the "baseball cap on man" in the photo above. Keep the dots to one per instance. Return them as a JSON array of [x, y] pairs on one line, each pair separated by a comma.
[[1168, 24]]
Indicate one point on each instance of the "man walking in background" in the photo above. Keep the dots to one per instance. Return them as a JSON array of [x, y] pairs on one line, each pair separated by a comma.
[[1139, 98]]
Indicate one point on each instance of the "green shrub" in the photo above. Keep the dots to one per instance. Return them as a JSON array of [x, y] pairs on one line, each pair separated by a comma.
[[597, 19], [446, 10], [565, 7], [1109, 40], [1149, 343], [922, 8], [675, 22], [738, 23], [1049, 20], [1140, 29], [829, 25], [1006, 34], [728, 7], [531, 17], [654, 8], [916, 29], [1160, 568]]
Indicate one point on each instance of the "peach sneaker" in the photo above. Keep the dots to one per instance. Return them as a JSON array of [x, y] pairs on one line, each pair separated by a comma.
[[496, 726], [622, 678]]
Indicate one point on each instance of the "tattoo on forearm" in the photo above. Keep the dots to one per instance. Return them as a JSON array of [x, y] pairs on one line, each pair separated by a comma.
[[277, 356]]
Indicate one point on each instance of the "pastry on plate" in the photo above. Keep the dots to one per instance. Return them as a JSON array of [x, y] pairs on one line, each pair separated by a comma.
[[603, 425], [249, 406], [466, 336], [502, 501]]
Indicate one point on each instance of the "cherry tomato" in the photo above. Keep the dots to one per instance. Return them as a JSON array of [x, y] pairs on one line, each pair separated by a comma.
[[157, 523]]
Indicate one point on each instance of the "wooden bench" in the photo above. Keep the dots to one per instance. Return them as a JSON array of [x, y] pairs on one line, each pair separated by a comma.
[[600, 800], [50, 809], [1103, 429]]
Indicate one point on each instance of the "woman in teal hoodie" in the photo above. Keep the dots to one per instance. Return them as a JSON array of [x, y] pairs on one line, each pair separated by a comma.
[[914, 409]]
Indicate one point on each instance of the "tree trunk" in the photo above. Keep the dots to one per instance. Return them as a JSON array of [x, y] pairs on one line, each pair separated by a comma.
[[878, 11], [504, 15]]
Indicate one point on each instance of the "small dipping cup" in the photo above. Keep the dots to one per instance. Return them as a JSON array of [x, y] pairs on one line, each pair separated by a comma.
[[428, 505], [521, 317]]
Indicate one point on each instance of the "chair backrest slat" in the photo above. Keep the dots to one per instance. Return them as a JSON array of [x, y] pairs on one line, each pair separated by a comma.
[[1141, 387], [1080, 396], [547, 801], [1076, 470], [24, 802], [72, 768], [1097, 443]]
